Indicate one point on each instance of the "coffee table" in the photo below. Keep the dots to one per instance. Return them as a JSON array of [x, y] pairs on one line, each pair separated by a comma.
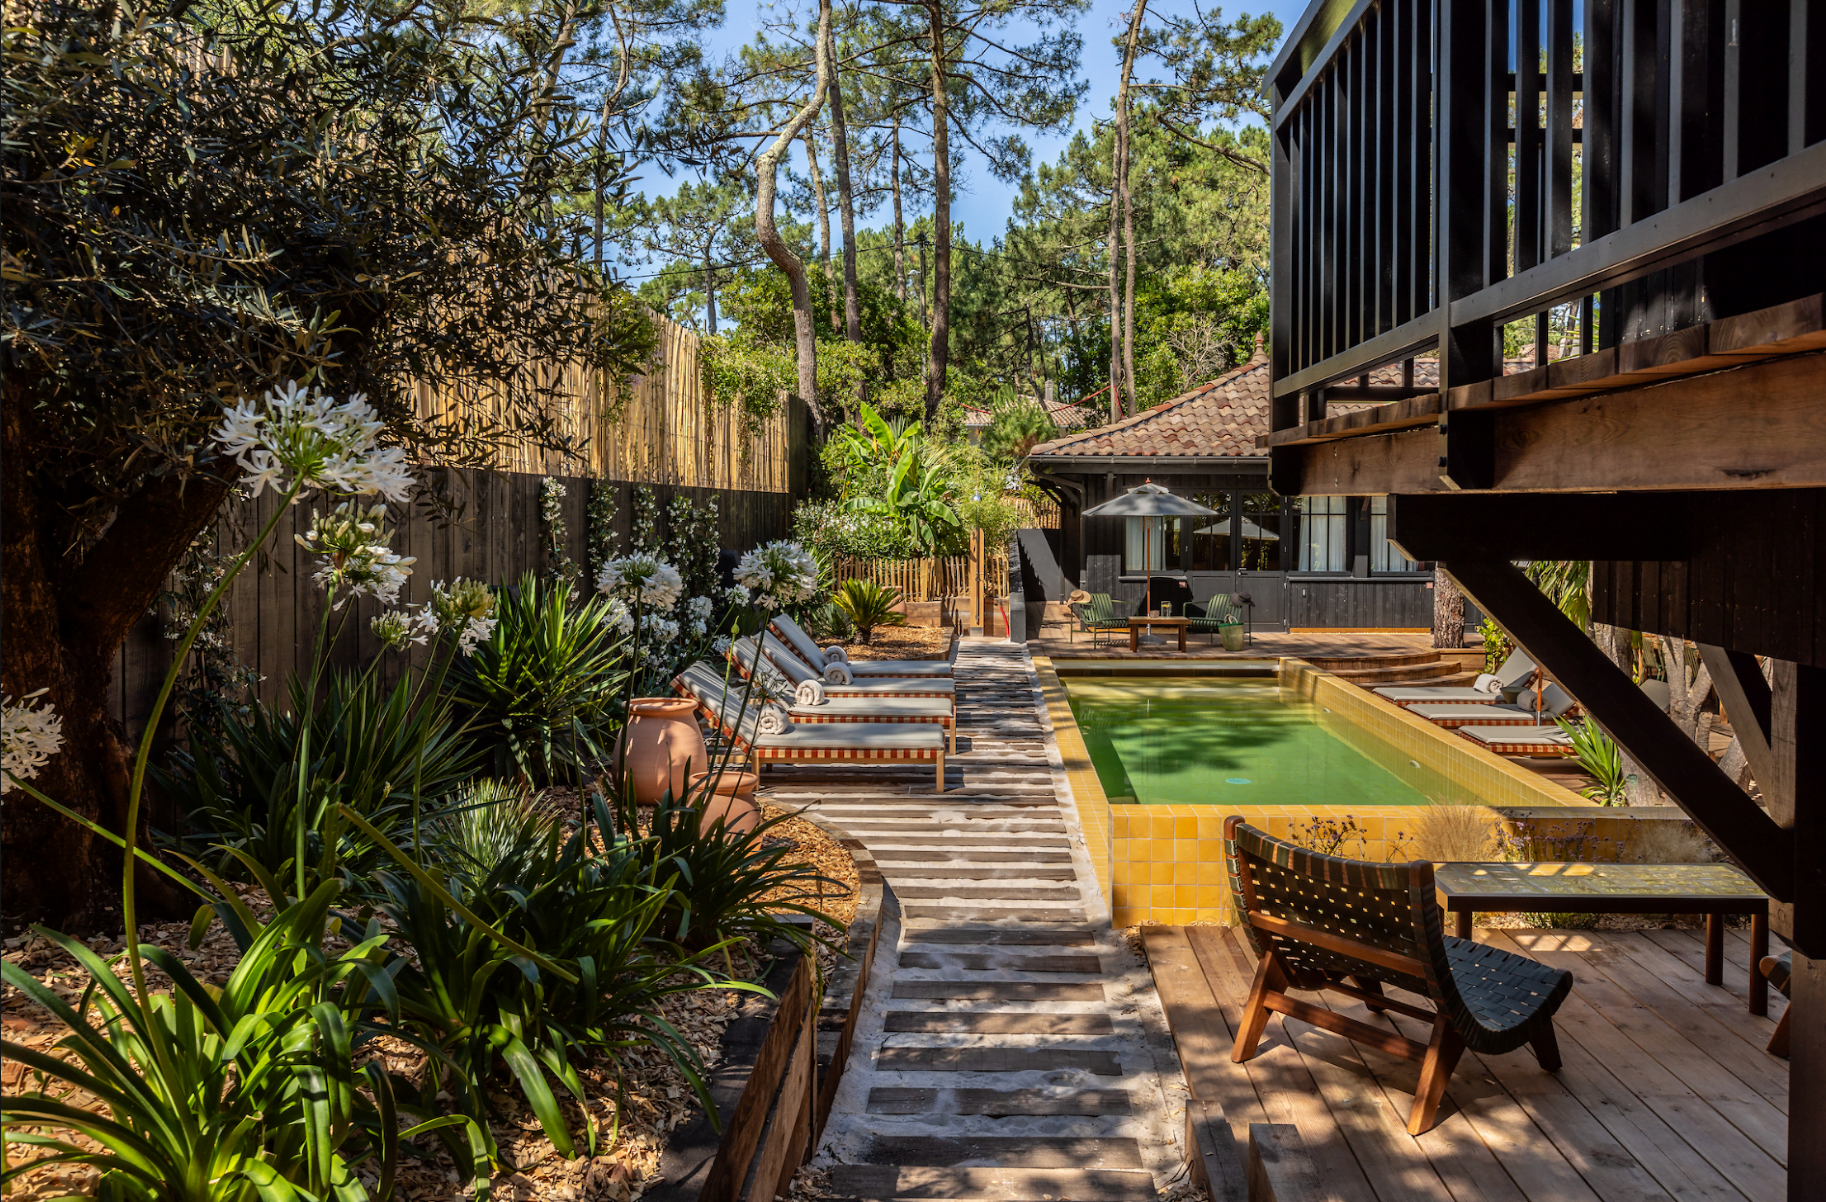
[[1710, 889], [1136, 625]]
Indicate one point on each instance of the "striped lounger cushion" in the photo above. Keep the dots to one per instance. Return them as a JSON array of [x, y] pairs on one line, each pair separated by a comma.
[[808, 650], [1520, 740], [741, 652], [1438, 696], [1472, 715]]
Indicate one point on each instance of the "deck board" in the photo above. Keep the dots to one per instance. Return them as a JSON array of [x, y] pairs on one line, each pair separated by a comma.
[[1665, 1092]]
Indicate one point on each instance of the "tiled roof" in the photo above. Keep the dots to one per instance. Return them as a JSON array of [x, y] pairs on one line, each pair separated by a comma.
[[1062, 413], [1218, 419]]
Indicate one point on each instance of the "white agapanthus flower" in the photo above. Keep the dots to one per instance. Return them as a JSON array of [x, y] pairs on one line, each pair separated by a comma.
[[780, 573], [397, 630], [737, 595], [304, 433], [663, 631], [698, 611], [464, 608], [619, 615], [353, 543], [720, 644], [30, 733], [474, 633], [654, 581]]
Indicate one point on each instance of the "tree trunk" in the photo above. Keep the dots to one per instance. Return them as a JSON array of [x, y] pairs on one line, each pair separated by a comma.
[[1125, 335], [767, 170], [1115, 252], [1448, 611], [824, 221], [900, 229], [938, 357], [65, 622], [710, 293], [846, 209]]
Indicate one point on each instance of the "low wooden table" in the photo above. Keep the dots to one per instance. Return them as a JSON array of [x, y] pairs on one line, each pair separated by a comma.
[[1136, 625], [1710, 889]]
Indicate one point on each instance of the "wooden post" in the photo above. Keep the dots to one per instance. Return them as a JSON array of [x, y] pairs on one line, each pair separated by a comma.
[[977, 617]]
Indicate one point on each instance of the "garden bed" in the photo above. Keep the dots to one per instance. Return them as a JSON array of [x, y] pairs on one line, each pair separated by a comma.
[[658, 1100]]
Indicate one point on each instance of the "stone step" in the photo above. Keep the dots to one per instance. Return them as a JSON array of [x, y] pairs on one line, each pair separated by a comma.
[[1011, 842], [918, 872], [1001, 991], [994, 1022], [997, 1060], [1079, 1185], [984, 893], [921, 855], [999, 1103], [991, 913], [1011, 1151], [988, 962], [1057, 936]]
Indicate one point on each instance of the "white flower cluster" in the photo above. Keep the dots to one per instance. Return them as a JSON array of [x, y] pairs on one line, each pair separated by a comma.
[[353, 544], [654, 581], [396, 631], [30, 733], [698, 610], [737, 596], [302, 432], [464, 608], [551, 499], [620, 616], [779, 574]]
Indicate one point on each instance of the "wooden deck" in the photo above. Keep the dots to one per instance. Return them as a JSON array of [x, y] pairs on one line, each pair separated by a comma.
[[1666, 1090]]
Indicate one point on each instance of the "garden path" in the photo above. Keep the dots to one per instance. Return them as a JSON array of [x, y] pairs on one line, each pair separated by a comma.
[[1011, 1045]]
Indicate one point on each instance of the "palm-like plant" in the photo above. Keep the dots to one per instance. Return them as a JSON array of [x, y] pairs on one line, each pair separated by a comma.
[[868, 605], [1597, 753]]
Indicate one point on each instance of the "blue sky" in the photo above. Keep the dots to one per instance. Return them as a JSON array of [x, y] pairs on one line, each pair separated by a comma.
[[985, 208]]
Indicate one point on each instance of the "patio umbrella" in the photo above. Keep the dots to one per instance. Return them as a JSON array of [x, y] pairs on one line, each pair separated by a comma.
[[1148, 501], [1250, 530]]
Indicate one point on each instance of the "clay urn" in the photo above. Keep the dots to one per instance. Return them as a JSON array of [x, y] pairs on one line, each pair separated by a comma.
[[661, 746], [731, 799]]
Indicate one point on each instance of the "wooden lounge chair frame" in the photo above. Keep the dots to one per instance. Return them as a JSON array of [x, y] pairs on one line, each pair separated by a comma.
[[1351, 926]]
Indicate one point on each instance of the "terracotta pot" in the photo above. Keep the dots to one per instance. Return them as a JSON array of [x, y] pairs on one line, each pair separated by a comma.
[[661, 745], [732, 800]]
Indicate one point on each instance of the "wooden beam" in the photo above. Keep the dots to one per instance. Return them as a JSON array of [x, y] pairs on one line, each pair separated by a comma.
[[1756, 426], [1798, 740], [1540, 525], [1675, 762], [1745, 695]]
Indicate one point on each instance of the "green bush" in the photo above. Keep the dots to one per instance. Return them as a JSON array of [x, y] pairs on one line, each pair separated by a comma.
[[544, 692], [223, 1095], [868, 605], [264, 791]]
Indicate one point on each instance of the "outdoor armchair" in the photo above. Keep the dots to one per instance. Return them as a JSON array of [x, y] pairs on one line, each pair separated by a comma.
[[1350, 926], [1217, 609], [1097, 617], [1779, 971]]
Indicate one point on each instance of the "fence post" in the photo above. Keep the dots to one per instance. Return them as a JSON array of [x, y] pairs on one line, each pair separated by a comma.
[[977, 617]]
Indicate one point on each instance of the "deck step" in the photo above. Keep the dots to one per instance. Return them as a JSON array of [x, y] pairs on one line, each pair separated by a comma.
[[982, 962], [995, 1022], [1335, 663], [1001, 936], [992, 914], [908, 1181], [999, 1103], [1001, 991]]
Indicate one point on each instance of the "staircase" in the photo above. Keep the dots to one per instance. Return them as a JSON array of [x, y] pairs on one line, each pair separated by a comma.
[[1409, 668]]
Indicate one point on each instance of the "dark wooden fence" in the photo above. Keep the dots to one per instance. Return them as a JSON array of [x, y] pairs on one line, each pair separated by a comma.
[[495, 534]]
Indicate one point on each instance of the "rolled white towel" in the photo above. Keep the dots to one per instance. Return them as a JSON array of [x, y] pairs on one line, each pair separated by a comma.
[[838, 674], [1488, 684], [809, 692], [836, 655], [774, 719]]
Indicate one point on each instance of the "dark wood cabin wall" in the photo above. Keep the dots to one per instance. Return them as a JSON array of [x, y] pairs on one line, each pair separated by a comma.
[[1750, 584], [275, 608]]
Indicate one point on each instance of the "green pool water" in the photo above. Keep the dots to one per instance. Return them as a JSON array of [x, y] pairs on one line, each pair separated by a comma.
[[1218, 741]]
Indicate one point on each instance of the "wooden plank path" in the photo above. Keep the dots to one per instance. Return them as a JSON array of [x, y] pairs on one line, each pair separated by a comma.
[[1002, 1056]]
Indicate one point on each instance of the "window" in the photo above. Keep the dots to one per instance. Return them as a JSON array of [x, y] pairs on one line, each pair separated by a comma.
[[1384, 555], [1162, 551], [1322, 534], [1261, 533], [1210, 536]]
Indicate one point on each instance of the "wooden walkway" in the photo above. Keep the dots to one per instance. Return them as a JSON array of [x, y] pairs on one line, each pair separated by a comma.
[[999, 1054], [1666, 1090]]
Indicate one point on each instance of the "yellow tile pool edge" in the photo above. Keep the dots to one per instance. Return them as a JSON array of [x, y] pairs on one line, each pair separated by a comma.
[[1164, 863]]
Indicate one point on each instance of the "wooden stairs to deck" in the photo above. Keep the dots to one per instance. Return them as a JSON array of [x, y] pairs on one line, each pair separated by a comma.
[[1409, 668]]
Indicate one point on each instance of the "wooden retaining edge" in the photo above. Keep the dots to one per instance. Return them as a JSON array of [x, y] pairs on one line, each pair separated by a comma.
[[785, 1058], [1280, 1168]]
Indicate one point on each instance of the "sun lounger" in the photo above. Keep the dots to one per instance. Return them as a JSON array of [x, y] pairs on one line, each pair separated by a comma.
[[1520, 740], [801, 674], [834, 664], [935, 711], [1555, 702], [812, 742], [1510, 680]]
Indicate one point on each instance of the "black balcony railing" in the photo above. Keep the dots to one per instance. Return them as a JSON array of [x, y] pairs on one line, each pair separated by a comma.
[[1444, 169]]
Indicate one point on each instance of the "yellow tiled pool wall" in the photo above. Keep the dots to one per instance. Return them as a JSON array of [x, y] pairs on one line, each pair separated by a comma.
[[1165, 863]]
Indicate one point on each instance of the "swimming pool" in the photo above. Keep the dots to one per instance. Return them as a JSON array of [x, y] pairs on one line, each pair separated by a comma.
[[1238, 742]]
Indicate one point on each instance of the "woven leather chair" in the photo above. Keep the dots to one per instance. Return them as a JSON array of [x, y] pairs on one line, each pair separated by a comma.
[[1323, 922]]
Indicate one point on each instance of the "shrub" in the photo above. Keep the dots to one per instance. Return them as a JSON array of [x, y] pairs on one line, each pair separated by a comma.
[[1455, 829], [1597, 753], [1667, 841], [245, 1091], [544, 692], [868, 605]]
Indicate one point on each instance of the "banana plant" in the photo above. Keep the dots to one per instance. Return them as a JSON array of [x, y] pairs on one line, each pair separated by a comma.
[[917, 497]]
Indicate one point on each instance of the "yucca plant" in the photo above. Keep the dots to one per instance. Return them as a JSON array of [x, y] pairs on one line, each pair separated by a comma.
[[222, 1095], [544, 690], [868, 605], [1597, 753]]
